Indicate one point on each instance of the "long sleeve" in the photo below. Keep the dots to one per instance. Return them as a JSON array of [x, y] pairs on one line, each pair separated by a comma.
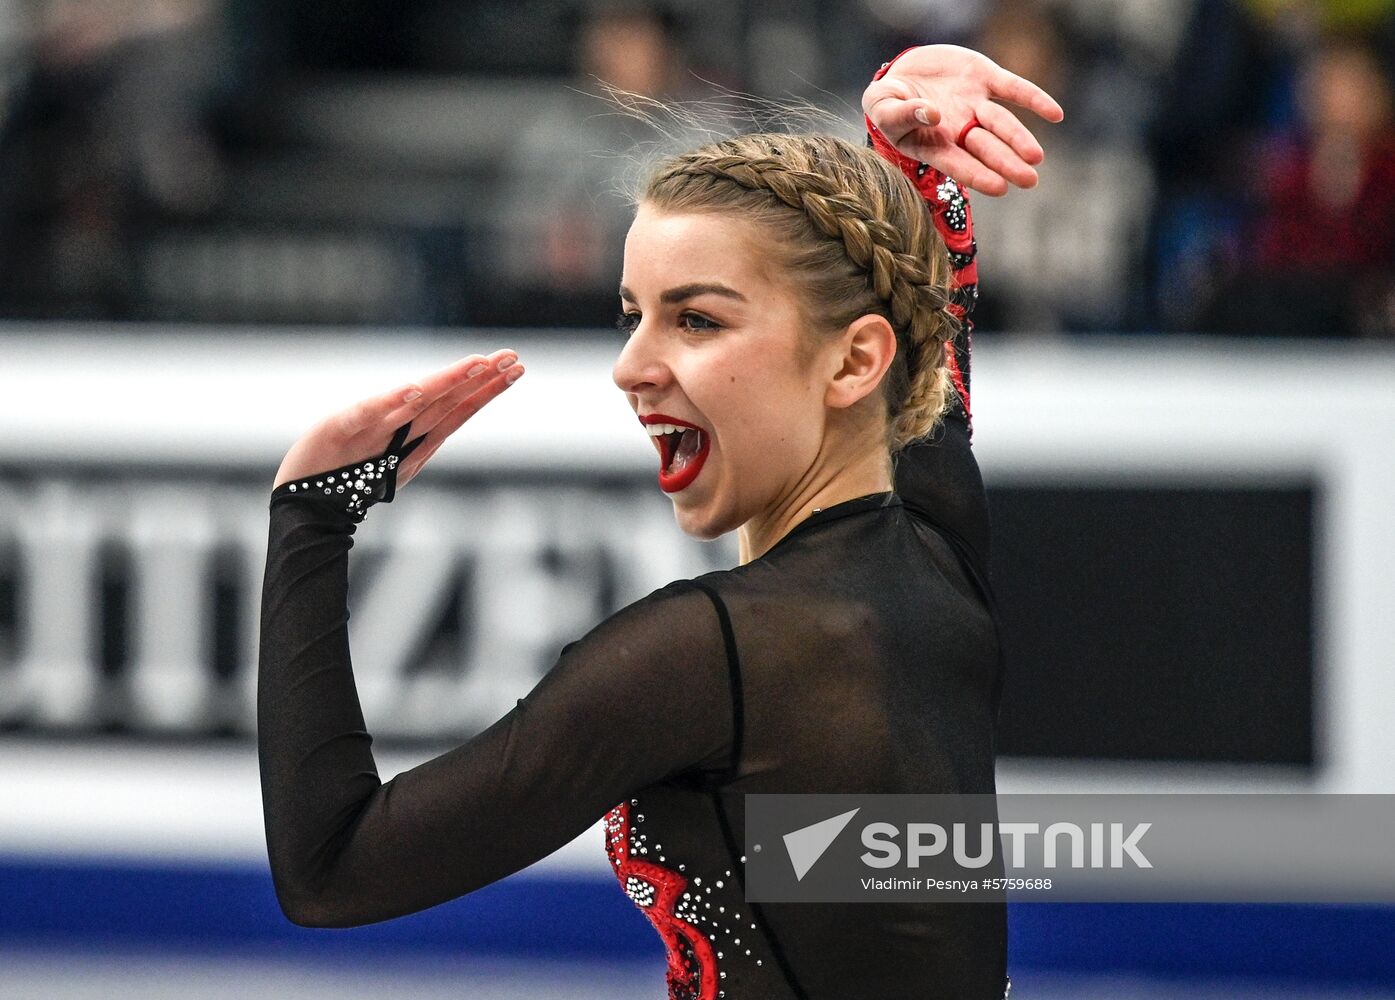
[[641, 697], [938, 477]]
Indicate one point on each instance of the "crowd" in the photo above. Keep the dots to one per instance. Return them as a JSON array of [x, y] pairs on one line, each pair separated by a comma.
[[1225, 166]]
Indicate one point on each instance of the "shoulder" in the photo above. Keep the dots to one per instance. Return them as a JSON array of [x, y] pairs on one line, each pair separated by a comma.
[[675, 622]]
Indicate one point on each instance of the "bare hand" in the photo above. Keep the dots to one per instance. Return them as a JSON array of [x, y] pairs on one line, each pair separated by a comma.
[[448, 398], [951, 85]]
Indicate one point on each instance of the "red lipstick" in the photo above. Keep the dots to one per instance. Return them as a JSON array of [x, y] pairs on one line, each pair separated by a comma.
[[673, 480]]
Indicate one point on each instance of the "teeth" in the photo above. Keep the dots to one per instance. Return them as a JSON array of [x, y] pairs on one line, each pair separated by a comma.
[[656, 429]]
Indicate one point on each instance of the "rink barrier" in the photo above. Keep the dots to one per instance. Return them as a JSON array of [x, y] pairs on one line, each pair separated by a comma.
[[93, 905]]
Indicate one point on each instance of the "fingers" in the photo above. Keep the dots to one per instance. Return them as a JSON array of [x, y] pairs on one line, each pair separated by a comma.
[[483, 381], [496, 371], [1023, 92], [1004, 124], [968, 170], [458, 373], [451, 383], [404, 402], [998, 157], [492, 385]]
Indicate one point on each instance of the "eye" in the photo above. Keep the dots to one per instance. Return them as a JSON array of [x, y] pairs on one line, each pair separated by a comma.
[[703, 323], [626, 322]]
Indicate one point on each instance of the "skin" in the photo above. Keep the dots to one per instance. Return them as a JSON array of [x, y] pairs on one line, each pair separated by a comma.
[[932, 92], [1345, 96], [437, 405], [786, 437]]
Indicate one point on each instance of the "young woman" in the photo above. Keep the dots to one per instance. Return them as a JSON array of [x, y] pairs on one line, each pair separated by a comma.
[[796, 317]]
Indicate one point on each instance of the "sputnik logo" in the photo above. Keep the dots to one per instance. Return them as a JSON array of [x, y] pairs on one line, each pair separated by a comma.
[[807, 844]]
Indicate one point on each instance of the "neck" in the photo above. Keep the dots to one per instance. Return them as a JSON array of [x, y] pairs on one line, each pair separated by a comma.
[[869, 471]]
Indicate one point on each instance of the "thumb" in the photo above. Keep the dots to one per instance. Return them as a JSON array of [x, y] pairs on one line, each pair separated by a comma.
[[897, 116]]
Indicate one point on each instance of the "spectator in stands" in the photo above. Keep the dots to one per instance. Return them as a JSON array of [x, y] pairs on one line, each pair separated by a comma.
[[1216, 101], [562, 221], [1320, 257], [102, 136], [1064, 258]]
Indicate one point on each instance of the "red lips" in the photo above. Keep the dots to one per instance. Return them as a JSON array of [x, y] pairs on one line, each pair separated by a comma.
[[673, 482]]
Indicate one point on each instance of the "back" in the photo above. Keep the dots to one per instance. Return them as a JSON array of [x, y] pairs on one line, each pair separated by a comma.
[[864, 661]]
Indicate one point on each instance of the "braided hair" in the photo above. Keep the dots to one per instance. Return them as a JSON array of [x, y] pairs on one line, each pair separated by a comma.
[[853, 235]]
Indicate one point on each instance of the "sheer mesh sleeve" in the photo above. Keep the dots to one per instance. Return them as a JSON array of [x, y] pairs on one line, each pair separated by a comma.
[[937, 477], [642, 696]]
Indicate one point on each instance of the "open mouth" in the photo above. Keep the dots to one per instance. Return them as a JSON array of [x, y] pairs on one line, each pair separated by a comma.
[[683, 448]]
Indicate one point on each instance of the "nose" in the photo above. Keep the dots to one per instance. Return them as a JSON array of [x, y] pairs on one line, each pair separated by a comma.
[[640, 368]]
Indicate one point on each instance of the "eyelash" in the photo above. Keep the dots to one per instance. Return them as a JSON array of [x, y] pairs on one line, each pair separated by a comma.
[[627, 321]]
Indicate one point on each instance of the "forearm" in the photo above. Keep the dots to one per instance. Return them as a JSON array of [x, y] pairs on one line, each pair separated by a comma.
[[317, 768], [938, 477], [949, 208]]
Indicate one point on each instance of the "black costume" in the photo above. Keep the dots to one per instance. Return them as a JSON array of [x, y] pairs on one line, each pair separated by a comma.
[[859, 654]]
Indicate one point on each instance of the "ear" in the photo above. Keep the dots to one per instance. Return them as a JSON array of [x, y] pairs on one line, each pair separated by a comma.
[[864, 353]]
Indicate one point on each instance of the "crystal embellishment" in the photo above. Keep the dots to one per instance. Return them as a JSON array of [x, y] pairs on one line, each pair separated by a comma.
[[354, 488]]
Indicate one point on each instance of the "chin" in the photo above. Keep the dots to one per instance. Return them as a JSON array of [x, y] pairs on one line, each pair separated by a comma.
[[693, 524]]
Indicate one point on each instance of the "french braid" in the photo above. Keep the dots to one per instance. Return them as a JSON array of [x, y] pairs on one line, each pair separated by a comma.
[[854, 233]]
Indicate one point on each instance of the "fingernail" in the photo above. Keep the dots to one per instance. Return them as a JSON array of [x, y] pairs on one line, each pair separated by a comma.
[[507, 363], [921, 116], [512, 376], [412, 394], [476, 370]]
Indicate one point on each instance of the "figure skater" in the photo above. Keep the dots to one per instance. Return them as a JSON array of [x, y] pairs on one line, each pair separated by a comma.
[[798, 351]]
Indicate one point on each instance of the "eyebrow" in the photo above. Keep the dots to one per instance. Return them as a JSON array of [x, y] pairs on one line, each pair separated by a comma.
[[689, 291]]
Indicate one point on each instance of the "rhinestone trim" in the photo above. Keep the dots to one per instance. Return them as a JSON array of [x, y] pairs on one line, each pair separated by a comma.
[[352, 489]]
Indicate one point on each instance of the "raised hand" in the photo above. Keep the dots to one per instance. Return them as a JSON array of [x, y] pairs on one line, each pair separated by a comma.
[[439, 404], [931, 93]]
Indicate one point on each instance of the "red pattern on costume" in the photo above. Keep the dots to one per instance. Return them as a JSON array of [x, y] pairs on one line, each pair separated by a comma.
[[692, 962], [946, 203]]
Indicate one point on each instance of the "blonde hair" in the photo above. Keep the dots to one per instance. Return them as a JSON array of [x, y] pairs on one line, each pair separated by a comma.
[[853, 236]]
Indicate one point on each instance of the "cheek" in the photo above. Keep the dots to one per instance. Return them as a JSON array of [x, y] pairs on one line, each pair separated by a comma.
[[768, 417], [758, 409]]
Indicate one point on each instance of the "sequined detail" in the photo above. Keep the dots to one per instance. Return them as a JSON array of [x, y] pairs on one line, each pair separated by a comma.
[[952, 197], [639, 890], [964, 297], [354, 488], [961, 260], [697, 931]]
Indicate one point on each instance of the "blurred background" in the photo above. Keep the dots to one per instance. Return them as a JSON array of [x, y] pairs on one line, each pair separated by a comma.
[[221, 220]]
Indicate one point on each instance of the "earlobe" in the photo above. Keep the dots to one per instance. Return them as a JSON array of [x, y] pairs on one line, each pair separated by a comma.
[[868, 348]]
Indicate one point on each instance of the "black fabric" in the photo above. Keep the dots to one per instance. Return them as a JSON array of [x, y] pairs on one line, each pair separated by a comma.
[[859, 654], [356, 487]]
